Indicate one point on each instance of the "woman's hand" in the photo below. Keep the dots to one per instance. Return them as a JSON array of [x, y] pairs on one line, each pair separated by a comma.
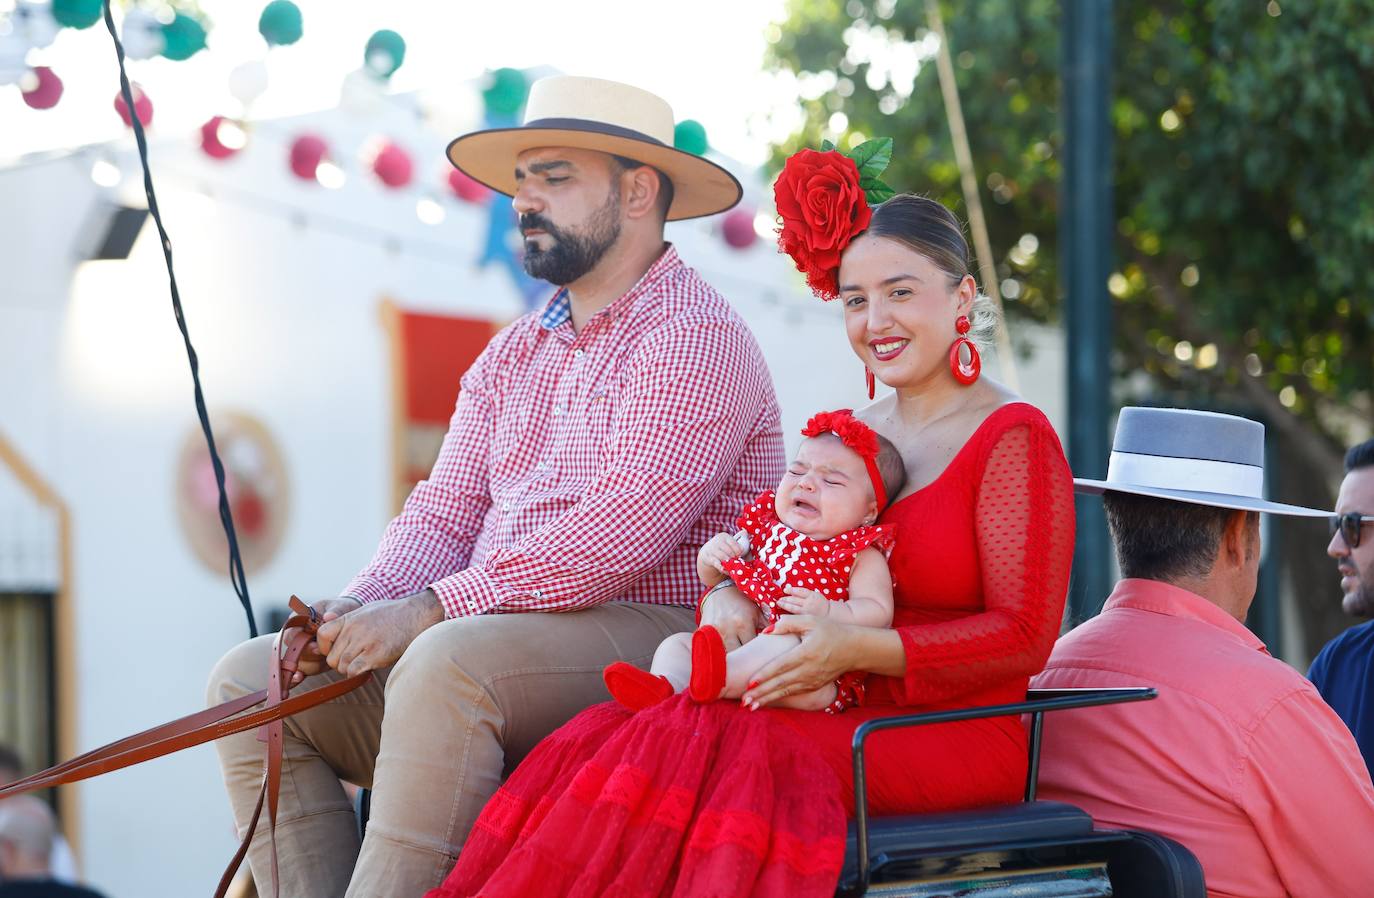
[[734, 616], [827, 651]]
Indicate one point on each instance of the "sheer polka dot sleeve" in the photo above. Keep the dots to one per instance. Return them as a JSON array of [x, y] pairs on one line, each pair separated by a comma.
[[1023, 523]]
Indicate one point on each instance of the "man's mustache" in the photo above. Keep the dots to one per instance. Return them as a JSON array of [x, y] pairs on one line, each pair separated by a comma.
[[530, 222]]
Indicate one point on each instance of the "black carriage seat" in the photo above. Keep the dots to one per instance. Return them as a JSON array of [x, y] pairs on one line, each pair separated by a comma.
[[1139, 864], [887, 853]]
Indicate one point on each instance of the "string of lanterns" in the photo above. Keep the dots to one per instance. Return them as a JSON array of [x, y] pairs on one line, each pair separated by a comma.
[[179, 34]]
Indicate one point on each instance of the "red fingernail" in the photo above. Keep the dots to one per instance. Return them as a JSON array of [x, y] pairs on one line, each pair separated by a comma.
[[768, 629], [753, 684]]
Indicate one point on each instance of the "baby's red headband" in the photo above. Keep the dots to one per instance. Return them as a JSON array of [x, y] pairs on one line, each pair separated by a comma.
[[857, 436]]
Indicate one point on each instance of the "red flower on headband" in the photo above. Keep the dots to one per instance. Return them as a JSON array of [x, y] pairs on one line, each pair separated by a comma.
[[852, 432], [822, 206], [856, 435]]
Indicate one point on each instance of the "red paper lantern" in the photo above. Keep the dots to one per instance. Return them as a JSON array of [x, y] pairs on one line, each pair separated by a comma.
[[46, 89], [212, 142], [467, 189], [393, 166], [142, 105], [307, 152], [738, 229]]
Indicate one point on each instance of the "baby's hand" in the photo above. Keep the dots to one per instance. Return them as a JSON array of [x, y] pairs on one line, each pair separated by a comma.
[[714, 554], [805, 601]]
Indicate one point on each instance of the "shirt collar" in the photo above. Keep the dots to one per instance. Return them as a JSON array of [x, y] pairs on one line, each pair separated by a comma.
[[1164, 598], [558, 311]]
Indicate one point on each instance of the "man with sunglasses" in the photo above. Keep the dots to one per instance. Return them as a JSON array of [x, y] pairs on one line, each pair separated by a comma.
[[1343, 668]]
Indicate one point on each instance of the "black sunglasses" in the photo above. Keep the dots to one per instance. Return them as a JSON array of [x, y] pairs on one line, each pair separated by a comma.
[[1349, 524]]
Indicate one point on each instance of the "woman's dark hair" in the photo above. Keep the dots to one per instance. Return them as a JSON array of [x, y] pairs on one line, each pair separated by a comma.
[[925, 226], [1360, 455], [1161, 539]]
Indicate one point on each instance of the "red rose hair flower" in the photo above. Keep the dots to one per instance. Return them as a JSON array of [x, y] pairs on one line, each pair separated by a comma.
[[823, 200], [822, 207]]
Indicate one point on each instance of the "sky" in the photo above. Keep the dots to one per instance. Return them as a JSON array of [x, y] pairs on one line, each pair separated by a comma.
[[703, 56]]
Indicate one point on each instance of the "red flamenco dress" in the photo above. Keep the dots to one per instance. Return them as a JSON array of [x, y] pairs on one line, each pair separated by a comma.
[[714, 801]]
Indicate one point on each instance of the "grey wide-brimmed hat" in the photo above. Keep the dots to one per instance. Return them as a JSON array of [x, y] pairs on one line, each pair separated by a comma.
[[1204, 458]]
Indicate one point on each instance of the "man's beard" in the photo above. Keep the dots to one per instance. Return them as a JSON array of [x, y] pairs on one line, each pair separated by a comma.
[[1360, 602], [571, 254]]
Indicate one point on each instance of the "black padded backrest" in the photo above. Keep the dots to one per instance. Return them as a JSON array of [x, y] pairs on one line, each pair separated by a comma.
[[1149, 865], [1000, 824]]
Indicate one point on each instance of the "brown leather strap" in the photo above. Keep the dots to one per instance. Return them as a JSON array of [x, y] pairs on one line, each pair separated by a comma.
[[213, 723]]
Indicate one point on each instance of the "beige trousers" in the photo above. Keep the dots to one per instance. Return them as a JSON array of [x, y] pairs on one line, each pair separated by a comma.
[[433, 737]]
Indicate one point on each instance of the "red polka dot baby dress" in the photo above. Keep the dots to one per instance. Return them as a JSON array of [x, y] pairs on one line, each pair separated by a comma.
[[785, 557]]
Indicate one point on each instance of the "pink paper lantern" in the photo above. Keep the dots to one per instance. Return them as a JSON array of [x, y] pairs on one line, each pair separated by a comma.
[[142, 106], [307, 152], [393, 166], [210, 140], [467, 189], [46, 89], [738, 229]]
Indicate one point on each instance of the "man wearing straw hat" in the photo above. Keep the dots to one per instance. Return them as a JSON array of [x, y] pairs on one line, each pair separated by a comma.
[[596, 444], [1239, 758]]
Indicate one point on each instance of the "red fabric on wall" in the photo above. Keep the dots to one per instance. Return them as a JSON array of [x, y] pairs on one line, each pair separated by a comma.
[[435, 351]]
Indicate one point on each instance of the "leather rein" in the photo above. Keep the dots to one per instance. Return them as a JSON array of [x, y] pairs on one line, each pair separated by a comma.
[[288, 649]]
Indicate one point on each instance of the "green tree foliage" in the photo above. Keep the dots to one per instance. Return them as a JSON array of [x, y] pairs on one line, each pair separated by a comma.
[[1243, 184], [1243, 177]]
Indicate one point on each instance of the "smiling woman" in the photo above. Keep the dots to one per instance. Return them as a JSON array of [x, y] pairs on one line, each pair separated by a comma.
[[750, 798]]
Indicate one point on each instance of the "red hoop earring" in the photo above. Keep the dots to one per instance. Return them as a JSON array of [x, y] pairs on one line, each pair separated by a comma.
[[964, 372], [868, 378]]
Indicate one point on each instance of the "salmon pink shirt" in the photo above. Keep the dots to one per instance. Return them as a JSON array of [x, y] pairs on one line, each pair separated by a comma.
[[1238, 758]]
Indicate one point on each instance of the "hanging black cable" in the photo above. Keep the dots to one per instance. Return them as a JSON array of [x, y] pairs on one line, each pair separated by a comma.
[[236, 575]]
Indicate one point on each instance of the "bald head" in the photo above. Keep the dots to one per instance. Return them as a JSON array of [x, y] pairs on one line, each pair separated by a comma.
[[27, 830]]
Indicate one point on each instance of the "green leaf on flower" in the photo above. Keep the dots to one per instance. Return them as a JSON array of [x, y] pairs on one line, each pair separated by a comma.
[[826, 146], [875, 191], [872, 156]]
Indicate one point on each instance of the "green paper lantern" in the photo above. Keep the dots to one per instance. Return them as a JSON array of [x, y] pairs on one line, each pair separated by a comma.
[[690, 137], [280, 23], [77, 13], [183, 37], [506, 93], [385, 52]]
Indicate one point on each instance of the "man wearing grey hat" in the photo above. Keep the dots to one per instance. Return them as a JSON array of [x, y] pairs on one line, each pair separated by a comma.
[[1239, 758]]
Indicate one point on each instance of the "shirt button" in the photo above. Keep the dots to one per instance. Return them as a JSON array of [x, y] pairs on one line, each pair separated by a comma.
[[505, 506], [537, 594], [577, 353], [558, 409]]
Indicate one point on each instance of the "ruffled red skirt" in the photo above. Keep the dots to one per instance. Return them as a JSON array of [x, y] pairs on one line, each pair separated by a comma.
[[703, 800]]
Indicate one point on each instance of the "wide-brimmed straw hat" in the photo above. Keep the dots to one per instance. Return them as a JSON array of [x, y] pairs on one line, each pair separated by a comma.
[[592, 114], [1204, 458]]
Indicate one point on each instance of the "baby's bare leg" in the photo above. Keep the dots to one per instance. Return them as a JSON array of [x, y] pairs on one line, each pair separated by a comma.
[[742, 663], [674, 660], [750, 658]]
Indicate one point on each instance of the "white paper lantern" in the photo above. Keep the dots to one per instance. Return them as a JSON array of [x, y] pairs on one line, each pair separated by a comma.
[[34, 24], [362, 94], [142, 34], [13, 49], [248, 81]]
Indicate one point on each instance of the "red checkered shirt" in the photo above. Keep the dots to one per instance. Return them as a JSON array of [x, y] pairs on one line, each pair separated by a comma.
[[585, 466]]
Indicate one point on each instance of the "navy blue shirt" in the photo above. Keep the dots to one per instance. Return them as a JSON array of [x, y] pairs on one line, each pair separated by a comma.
[[1343, 673]]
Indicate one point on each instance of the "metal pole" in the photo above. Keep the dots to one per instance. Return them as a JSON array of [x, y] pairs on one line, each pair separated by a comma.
[[968, 178], [1086, 225]]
